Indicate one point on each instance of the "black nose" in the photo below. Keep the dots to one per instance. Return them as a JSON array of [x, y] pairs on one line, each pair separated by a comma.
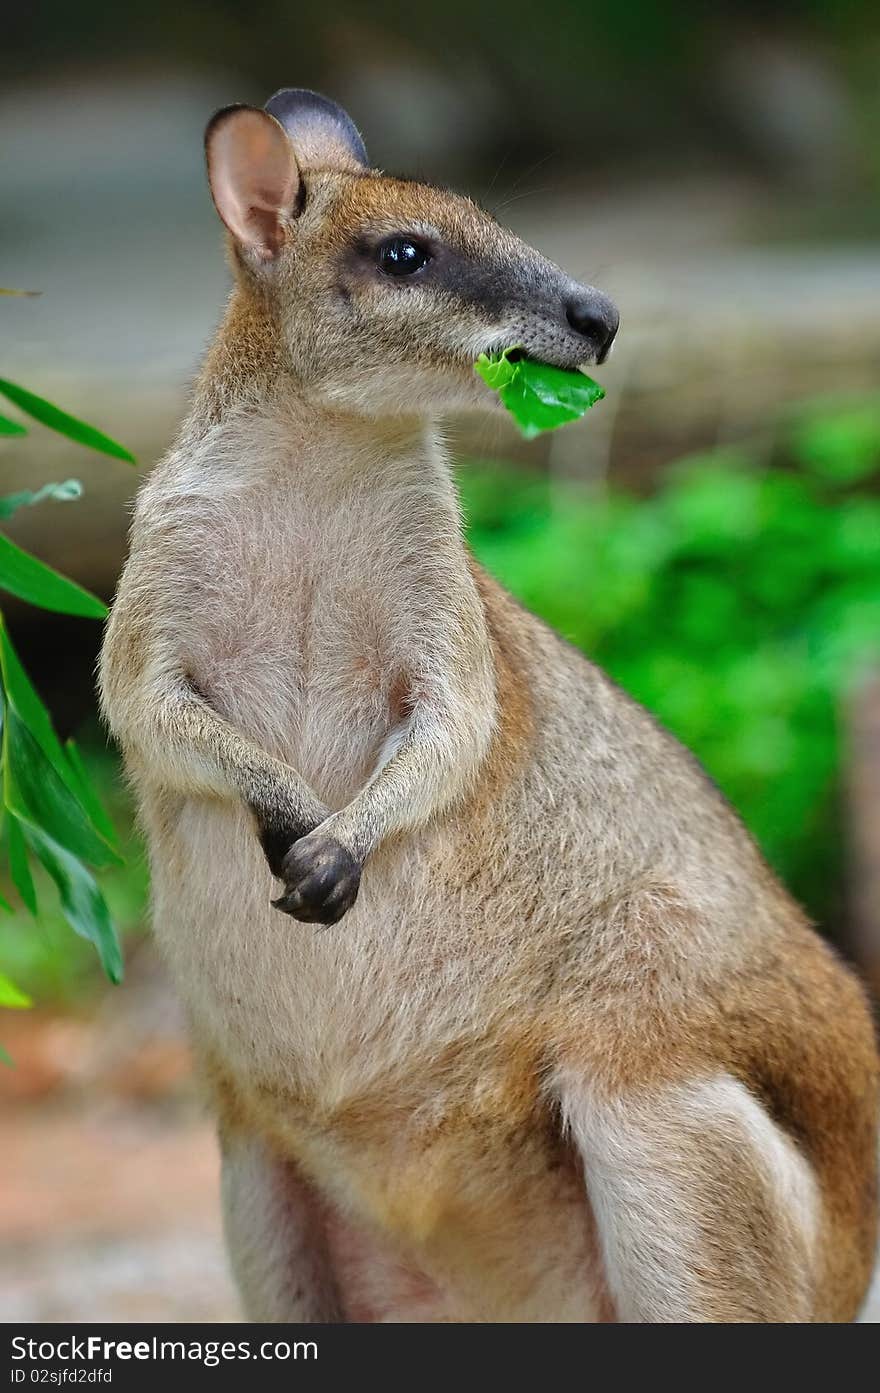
[[594, 316]]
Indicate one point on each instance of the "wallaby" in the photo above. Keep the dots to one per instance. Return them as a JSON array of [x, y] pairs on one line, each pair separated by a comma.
[[570, 1052]]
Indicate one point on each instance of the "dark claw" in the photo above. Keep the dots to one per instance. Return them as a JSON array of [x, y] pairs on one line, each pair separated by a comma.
[[321, 881], [277, 835], [288, 903]]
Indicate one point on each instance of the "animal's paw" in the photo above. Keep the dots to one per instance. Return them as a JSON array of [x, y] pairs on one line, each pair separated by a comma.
[[321, 879], [279, 827]]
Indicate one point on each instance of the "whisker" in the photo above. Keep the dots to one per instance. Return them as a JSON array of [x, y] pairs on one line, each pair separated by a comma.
[[525, 174], [494, 179], [527, 193]]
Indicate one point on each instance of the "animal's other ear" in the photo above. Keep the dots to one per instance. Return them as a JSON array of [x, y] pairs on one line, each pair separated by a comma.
[[324, 136], [254, 177]]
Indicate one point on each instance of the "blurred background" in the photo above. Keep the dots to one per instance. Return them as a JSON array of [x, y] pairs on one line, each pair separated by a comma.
[[710, 533]]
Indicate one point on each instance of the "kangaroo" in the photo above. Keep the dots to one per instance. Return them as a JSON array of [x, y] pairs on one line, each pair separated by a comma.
[[559, 1046]]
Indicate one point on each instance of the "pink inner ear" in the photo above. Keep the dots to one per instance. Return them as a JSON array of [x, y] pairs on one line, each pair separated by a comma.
[[254, 178]]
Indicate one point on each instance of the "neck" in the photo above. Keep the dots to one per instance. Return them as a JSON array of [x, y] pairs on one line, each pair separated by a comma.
[[243, 364], [252, 422], [245, 372]]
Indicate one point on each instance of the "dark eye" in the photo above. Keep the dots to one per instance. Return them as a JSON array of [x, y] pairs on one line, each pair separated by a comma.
[[399, 256]]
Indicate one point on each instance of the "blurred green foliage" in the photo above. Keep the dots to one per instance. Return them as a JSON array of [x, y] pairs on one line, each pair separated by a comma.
[[739, 603]]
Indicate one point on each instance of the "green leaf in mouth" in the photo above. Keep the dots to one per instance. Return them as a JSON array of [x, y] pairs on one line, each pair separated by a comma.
[[538, 396]]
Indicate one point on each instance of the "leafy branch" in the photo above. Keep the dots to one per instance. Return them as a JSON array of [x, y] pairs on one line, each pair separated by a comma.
[[50, 813]]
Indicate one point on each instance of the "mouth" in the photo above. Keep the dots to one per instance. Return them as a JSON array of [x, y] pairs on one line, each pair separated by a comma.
[[539, 396], [519, 355]]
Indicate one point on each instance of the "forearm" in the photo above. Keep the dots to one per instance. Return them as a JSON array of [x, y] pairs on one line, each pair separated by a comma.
[[436, 760], [187, 745]]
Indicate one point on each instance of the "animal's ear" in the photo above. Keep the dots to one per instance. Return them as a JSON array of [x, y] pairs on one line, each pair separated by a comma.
[[324, 136], [254, 177]]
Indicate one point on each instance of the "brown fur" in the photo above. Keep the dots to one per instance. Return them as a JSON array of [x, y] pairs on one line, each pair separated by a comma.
[[571, 1053]]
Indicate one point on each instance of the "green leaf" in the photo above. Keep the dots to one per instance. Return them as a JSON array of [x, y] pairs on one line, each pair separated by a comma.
[[58, 420], [6, 1058], [11, 996], [8, 427], [496, 372], [539, 396], [88, 794], [82, 903], [59, 493], [22, 700], [18, 863], [29, 579], [35, 793], [21, 696]]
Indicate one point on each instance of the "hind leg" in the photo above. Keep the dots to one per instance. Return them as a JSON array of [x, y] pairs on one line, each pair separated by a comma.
[[275, 1237], [706, 1210]]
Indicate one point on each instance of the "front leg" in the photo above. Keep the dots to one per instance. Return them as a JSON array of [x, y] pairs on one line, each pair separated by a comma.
[[426, 766], [175, 733]]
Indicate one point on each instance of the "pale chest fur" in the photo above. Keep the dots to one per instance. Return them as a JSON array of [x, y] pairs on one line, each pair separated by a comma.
[[303, 599], [311, 606]]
